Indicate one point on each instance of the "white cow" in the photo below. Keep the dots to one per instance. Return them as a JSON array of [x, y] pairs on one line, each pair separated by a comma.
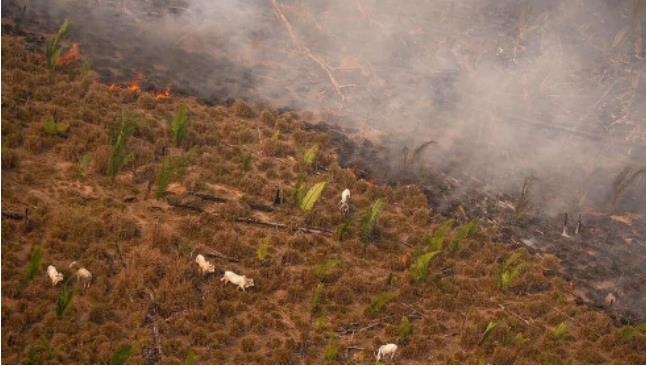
[[54, 275], [82, 275], [344, 204], [387, 349], [242, 281], [205, 266]]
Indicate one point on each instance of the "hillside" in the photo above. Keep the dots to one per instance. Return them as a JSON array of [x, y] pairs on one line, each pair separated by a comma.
[[328, 289]]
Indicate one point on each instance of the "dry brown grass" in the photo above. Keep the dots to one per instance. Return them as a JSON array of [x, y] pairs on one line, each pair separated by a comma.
[[136, 244]]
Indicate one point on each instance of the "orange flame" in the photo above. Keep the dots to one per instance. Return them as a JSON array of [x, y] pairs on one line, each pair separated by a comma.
[[71, 55], [163, 94], [134, 85]]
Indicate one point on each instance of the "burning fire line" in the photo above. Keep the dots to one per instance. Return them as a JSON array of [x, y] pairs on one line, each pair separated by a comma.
[[135, 86], [163, 94], [70, 56], [135, 83]]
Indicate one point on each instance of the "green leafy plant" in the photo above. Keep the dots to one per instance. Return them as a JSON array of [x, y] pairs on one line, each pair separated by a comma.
[[53, 128], [511, 268], [560, 331], [126, 127], [324, 269], [43, 352], [163, 177], [343, 230], [245, 159], [82, 163], [297, 191], [404, 330], [263, 251], [171, 167], [64, 300], [370, 218], [309, 157], [436, 241], [419, 269], [190, 358], [320, 323], [379, 302], [307, 203], [487, 332], [331, 350], [463, 232], [53, 45], [315, 301], [121, 355], [35, 260], [179, 125]]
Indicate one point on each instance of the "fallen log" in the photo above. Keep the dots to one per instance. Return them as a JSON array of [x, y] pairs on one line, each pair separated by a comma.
[[12, 215], [208, 197]]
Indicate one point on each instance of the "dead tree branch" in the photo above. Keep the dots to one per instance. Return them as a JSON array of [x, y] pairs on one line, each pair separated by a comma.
[[306, 51]]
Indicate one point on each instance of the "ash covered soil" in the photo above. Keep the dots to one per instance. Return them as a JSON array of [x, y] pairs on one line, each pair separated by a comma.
[[328, 287]]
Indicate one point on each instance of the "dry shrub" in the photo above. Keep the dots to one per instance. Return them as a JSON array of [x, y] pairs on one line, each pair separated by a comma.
[[10, 158], [101, 159], [248, 345], [242, 109], [280, 149], [268, 118], [141, 151]]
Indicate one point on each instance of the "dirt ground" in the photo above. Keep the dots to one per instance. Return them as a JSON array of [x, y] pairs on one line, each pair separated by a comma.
[[328, 287]]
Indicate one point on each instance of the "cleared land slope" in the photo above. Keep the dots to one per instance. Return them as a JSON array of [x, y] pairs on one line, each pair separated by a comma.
[[328, 288]]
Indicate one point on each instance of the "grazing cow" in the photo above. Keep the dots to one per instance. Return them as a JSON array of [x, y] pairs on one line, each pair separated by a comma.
[[54, 275], [344, 204], [205, 266], [84, 277], [242, 281], [385, 350]]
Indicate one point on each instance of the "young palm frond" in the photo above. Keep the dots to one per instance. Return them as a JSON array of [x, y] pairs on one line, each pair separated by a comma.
[[511, 268], [487, 332], [419, 269], [369, 221], [121, 355], [35, 260], [263, 251], [404, 329], [317, 295], [127, 126], [64, 300], [307, 203], [309, 157], [436, 241], [463, 232], [53, 45], [343, 230], [179, 125], [380, 301]]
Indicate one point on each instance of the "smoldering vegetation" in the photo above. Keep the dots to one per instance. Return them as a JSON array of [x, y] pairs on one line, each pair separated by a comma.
[[553, 90]]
